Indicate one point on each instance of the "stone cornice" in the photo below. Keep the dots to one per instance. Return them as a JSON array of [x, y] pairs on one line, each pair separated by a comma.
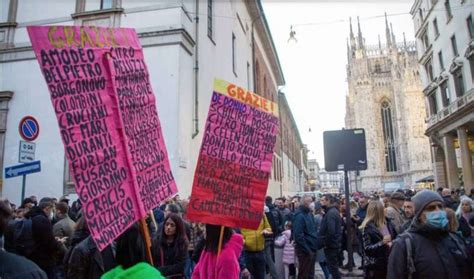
[[97, 13]]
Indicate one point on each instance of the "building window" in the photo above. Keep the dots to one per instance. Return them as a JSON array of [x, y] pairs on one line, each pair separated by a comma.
[[454, 46], [459, 82], [435, 27], [389, 138], [425, 40], [248, 76], [441, 63], [433, 103], [449, 13], [470, 27], [234, 55], [256, 86], [429, 70], [264, 92], [4, 8], [69, 185], [93, 5], [210, 13], [471, 62], [378, 69], [445, 95]]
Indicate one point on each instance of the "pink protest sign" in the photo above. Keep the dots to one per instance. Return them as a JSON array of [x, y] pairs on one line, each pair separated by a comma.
[[234, 164], [93, 119]]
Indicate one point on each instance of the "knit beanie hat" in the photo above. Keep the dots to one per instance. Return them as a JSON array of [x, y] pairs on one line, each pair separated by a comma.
[[138, 271], [422, 199]]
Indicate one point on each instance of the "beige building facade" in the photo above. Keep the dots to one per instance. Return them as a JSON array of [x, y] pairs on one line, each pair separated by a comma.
[[445, 39], [385, 98]]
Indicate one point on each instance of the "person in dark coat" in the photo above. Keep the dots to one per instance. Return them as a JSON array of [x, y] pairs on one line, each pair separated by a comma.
[[84, 260], [448, 200], [13, 266], [377, 234], [409, 212], [46, 248], [330, 234], [428, 250], [304, 234], [170, 248]]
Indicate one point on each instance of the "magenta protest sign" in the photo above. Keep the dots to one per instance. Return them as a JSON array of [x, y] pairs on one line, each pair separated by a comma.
[[235, 159], [119, 172]]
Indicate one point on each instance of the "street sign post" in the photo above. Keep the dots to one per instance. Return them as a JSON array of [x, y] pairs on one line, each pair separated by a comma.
[[23, 170], [27, 152], [29, 128]]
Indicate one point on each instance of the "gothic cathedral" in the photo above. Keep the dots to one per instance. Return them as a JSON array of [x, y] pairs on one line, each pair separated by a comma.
[[386, 99]]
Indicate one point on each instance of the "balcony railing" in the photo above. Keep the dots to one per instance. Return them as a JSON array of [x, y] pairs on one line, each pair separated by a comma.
[[455, 106]]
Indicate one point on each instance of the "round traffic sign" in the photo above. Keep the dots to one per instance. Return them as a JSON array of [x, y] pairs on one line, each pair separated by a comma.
[[29, 128]]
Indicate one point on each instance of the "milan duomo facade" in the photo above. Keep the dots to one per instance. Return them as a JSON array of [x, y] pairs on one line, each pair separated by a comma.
[[386, 99]]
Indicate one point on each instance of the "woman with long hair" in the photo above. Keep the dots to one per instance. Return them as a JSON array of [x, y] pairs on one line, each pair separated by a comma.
[[464, 213], [377, 235], [227, 265], [170, 247]]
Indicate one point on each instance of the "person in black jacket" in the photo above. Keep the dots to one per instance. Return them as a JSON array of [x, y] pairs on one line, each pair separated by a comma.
[[304, 233], [330, 234], [46, 248], [377, 235], [170, 248], [428, 249], [11, 265]]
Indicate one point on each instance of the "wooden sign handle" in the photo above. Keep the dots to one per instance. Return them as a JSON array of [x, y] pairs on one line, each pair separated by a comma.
[[146, 236]]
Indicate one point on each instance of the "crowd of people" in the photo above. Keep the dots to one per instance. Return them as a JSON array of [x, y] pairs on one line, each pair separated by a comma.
[[397, 235]]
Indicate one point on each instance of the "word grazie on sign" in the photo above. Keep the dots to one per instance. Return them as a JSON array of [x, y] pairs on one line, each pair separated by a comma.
[[93, 110], [234, 163]]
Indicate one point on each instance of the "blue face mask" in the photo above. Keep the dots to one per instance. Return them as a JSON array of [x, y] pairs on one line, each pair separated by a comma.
[[438, 219]]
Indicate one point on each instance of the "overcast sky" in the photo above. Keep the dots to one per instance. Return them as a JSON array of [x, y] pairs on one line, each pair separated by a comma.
[[315, 66]]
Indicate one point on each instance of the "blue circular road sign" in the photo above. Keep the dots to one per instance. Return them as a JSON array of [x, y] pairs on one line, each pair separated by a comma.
[[29, 128]]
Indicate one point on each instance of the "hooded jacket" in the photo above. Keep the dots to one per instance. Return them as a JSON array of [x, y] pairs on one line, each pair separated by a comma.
[[226, 266], [254, 239], [436, 254], [288, 248]]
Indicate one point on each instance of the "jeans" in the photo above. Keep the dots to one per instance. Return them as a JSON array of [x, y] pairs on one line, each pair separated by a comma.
[[307, 262], [332, 260], [255, 262], [325, 269], [188, 267], [269, 260]]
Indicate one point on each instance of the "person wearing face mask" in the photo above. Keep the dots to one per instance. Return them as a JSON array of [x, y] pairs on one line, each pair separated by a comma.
[[428, 249]]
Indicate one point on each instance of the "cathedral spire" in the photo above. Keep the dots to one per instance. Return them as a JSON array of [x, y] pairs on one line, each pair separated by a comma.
[[352, 38], [394, 42], [404, 41], [380, 44], [360, 39], [348, 51], [387, 33]]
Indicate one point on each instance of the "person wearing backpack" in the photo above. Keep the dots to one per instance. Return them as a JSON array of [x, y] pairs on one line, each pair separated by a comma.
[[13, 266], [44, 249], [428, 249]]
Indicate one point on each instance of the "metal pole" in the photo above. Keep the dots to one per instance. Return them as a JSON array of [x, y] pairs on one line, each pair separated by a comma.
[[23, 186], [350, 257]]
